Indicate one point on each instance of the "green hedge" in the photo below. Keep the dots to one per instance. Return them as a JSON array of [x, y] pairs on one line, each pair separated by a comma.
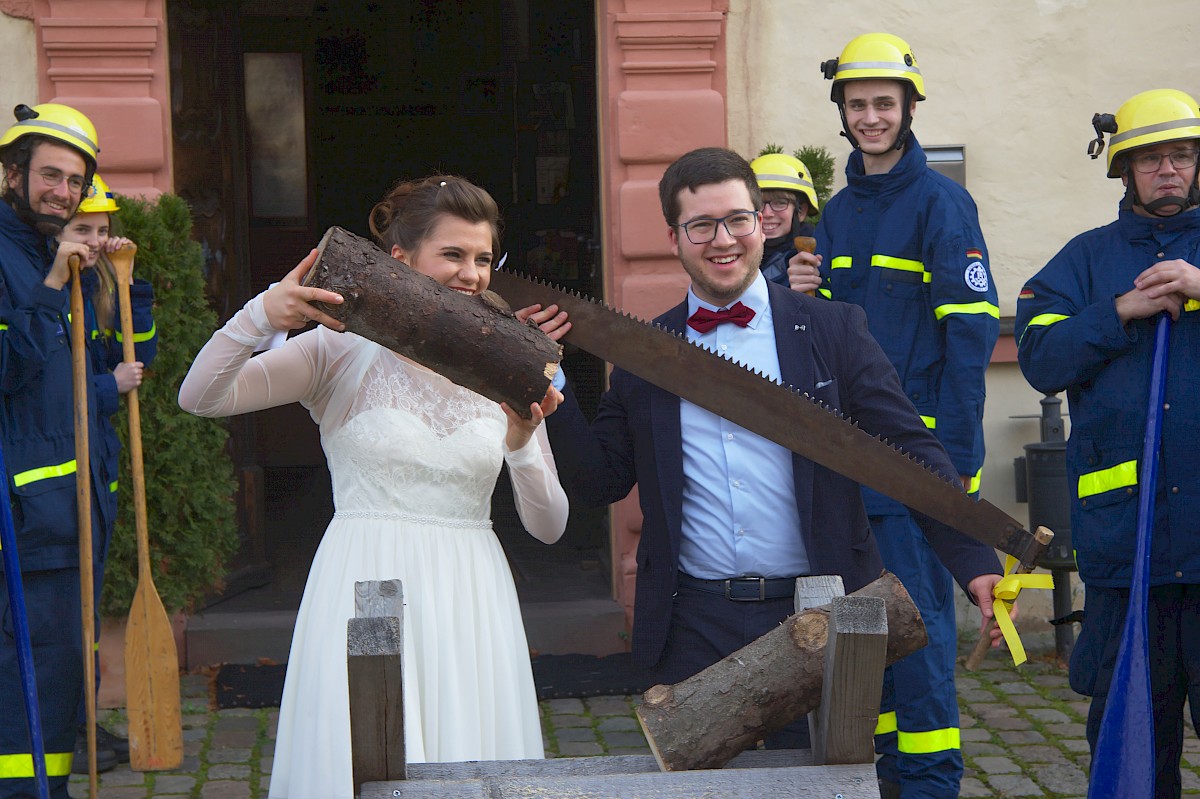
[[821, 165], [190, 482]]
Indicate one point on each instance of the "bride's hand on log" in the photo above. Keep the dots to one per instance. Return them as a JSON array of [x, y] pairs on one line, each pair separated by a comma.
[[521, 430], [981, 590], [287, 302], [550, 320]]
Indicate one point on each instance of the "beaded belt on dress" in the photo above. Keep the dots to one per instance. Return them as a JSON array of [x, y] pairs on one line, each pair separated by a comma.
[[471, 524]]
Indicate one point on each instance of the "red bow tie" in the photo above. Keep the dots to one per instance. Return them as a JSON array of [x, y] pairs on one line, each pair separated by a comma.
[[704, 320]]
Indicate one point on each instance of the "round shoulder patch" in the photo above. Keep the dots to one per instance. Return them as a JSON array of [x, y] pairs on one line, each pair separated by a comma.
[[976, 276]]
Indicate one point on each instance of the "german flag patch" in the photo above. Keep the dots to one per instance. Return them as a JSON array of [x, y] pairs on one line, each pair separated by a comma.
[[974, 255], [1026, 294]]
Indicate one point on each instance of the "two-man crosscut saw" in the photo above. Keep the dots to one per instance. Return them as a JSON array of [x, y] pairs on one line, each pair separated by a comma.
[[779, 413]]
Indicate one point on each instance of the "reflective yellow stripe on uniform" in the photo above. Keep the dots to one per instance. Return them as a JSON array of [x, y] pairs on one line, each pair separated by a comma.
[[903, 264], [976, 481], [138, 338], [924, 743], [826, 293], [930, 421], [113, 486], [841, 262], [17, 767], [1122, 475], [918, 743], [44, 473], [967, 308], [1043, 320]]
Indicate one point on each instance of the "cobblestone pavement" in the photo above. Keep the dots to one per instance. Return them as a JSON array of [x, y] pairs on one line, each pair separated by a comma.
[[1022, 735]]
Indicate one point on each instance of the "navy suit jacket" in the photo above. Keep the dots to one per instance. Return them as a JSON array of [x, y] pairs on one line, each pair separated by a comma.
[[635, 440]]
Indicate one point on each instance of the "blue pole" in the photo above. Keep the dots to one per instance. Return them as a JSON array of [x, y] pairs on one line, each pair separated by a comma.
[[16, 600], [1123, 763]]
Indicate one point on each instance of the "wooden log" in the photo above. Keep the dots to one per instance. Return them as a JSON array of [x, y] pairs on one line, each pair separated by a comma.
[[848, 782], [473, 342], [705, 720], [374, 651], [844, 724]]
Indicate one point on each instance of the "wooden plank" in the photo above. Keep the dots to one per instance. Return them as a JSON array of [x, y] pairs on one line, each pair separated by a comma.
[[578, 766], [855, 657], [374, 666], [849, 781], [816, 591]]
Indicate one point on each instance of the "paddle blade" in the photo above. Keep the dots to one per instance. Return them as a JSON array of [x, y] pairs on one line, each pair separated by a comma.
[[152, 684], [1123, 763]]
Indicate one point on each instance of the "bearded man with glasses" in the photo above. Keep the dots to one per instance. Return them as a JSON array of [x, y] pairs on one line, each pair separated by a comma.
[[49, 157], [1086, 324]]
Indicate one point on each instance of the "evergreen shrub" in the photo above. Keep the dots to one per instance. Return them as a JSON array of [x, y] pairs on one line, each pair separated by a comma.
[[190, 484], [820, 163]]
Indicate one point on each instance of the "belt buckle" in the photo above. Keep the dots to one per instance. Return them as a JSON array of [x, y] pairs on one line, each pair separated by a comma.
[[762, 589]]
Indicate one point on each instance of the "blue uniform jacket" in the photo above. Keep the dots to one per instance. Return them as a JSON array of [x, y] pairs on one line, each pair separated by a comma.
[[774, 264], [824, 349], [37, 426], [107, 351], [906, 246], [1070, 338]]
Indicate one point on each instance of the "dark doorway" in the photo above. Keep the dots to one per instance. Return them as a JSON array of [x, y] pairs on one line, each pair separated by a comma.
[[295, 115]]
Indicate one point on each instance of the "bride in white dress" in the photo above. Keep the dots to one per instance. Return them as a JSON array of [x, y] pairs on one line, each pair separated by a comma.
[[414, 459]]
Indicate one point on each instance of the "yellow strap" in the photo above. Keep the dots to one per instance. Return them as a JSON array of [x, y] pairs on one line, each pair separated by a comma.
[[20, 767], [1122, 475], [903, 264], [967, 308], [138, 338], [1192, 305], [1006, 592], [44, 473]]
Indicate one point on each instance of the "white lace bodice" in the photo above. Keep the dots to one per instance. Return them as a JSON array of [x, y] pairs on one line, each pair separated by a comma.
[[400, 440]]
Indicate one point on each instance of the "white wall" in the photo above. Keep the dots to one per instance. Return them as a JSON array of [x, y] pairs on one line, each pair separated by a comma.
[[1015, 82], [18, 66]]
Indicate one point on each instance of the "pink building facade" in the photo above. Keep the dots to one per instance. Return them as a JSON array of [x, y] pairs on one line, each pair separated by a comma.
[[660, 91]]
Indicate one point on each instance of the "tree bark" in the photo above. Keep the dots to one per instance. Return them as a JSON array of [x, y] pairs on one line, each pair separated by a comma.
[[471, 341], [707, 719]]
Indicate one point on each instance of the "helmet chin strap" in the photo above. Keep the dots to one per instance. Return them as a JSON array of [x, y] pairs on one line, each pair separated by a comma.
[[1164, 206], [905, 120], [46, 224]]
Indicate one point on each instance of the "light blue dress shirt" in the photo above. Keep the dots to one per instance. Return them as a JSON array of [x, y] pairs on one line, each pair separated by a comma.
[[739, 497]]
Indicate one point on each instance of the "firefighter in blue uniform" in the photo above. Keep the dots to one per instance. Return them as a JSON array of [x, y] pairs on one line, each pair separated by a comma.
[[904, 242], [92, 226], [49, 158], [789, 199], [1085, 324]]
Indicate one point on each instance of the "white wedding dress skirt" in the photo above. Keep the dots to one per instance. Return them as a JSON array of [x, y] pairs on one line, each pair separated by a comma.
[[413, 504]]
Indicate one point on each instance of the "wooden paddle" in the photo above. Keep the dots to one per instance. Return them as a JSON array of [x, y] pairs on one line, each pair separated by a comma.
[[809, 245], [83, 504], [151, 661]]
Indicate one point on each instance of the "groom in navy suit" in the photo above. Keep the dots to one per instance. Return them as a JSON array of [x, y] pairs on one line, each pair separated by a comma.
[[730, 519]]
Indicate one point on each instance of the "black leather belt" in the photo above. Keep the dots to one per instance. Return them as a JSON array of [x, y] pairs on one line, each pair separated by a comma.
[[743, 589]]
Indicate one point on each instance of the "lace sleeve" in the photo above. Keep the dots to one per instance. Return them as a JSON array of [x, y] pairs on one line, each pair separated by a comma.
[[224, 380], [541, 501]]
